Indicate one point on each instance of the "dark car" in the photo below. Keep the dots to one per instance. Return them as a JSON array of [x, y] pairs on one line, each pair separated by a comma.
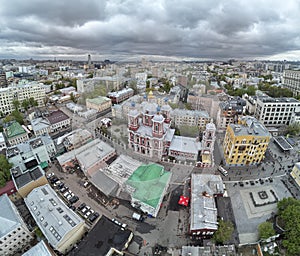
[[54, 179], [63, 189], [93, 216], [241, 184], [74, 199], [73, 207], [61, 185], [80, 207], [252, 182]]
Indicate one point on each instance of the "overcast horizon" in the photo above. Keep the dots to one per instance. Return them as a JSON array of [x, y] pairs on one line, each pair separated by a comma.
[[170, 30]]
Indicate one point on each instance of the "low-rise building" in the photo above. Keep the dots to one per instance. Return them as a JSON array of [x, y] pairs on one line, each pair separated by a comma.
[[36, 151], [119, 96], [40, 126], [245, 143], [190, 118], [62, 227], [113, 238], [77, 139], [58, 121], [15, 133], [90, 156], [27, 180], [203, 213], [147, 186], [14, 234], [101, 104], [40, 249], [295, 173]]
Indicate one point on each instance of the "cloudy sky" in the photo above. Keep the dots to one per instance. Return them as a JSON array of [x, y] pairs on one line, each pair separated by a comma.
[[209, 29]]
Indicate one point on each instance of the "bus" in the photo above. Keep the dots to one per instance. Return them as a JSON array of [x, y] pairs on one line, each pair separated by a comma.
[[222, 170]]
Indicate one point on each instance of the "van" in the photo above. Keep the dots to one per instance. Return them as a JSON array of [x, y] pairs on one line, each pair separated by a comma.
[[222, 170], [136, 216]]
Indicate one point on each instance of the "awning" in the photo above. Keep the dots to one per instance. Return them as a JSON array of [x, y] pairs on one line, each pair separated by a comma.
[[184, 200], [44, 164]]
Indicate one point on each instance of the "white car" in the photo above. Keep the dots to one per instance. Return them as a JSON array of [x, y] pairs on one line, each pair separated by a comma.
[[57, 183], [69, 196], [66, 194], [87, 214], [84, 210], [49, 175]]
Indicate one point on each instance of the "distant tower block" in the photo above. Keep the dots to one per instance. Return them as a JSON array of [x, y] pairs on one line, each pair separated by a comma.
[[89, 60]]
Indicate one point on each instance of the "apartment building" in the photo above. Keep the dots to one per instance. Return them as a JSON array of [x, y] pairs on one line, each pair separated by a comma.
[[245, 143], [275, 111], [14, 234], [61, 226], [229, 112], [291, 80], [190, 118], [20, 92]]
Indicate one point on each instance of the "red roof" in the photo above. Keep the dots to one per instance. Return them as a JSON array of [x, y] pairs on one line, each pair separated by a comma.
[[8, 189], [184, 200]]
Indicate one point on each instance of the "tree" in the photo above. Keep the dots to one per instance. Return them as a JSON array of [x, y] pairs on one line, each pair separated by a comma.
[[33, 102], [25, 104], [293, 129], [266, 230], [16, 104], [73, 98], [5, 166], [224, 232], [289, 214], [17, 115]]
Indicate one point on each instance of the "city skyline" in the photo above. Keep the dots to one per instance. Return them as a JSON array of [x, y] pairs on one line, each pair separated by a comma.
[[172, 30]]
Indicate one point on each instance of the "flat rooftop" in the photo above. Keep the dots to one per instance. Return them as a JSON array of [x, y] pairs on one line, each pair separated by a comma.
[[23, 178], [283, 143], [104, 236], [53, 217]]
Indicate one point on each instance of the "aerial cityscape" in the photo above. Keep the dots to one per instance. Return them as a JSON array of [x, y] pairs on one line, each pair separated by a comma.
[[147, 128]]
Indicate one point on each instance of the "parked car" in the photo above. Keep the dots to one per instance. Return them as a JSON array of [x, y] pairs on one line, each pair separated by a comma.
[[87, 214], [74, 199], [53, 179], [57, 183], [80, 207], [84, 210], [69, 196], [222, 170], [93, 217], [49, 175], [63, 189], [66, 194]]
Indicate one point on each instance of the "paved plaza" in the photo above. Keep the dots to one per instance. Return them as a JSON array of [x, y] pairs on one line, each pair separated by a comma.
[[247, 215]]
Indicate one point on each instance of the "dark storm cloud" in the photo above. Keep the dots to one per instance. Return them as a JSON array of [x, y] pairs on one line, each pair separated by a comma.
[[190, 28]]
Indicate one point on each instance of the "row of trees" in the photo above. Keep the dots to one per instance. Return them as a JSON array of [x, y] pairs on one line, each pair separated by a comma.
[[25, 104], [5, 166]]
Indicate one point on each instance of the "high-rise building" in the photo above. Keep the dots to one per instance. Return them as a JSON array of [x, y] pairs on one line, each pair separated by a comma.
[[14, 234], [245, 143], [89, 60], [20, 92], [275, 111], [291, 80]]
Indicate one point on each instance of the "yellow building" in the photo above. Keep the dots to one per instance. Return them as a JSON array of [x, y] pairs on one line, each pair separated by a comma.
[[245, 143], [100, 103], [295, 173]]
